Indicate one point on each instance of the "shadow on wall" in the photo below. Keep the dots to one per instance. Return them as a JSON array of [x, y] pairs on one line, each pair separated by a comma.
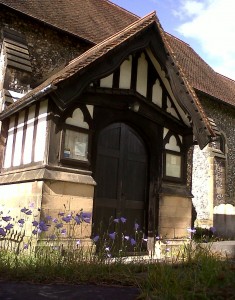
[[224, 220]]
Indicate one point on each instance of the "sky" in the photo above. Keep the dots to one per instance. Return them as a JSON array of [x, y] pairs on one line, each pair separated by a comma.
[[208, 26]]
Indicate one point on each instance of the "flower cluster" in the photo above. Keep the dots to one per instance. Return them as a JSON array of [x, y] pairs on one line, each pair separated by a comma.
[[6, 225], [52, 227], [204, 234], [120, 240]]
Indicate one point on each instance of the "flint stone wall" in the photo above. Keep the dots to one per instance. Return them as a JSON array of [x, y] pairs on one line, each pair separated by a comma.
[[49, 49]]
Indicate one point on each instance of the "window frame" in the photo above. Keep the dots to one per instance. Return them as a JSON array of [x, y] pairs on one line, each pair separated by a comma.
[[182, 164], [66, 161]]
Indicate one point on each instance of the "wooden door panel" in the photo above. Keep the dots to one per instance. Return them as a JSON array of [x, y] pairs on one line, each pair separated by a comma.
[[107, 177], [134, 185], [110, 138], [107, 202], [121, 176]]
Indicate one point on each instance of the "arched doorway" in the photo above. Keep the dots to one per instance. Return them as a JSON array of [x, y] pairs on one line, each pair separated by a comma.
[[121, 175]]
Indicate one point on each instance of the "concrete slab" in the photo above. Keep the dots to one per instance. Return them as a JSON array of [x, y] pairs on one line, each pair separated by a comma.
[[224, 248]]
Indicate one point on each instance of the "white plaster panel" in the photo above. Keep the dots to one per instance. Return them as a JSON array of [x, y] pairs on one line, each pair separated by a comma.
[[172, 145], [19, 139], [165, 131], [142, 76], [157, 93], [8, 152], [41, 132], [27, 157], [166, 83], [107, 82], [125, 74], [170, 109], [77, 119], [90, 109]]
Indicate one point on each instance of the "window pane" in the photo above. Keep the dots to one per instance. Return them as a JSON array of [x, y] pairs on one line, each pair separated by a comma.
[[173, 165], [76, 145]]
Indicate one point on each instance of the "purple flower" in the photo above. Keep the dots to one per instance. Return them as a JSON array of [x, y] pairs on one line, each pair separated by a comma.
[[28, 212], [133, 242], [212, 229], [61, 214], [2, 232], [35, 223], [63, 231], [123, 219], [24, 210], [191, 230], [35, 231], [55, 220], [21, 221], [9, 226], [42, 226], [86, 217], [126, 237], [59, 225], [116, 220], [52, 237], [31, 205], [136, 226], [7, 218], [77, 219], [26, 246], [48, 218], [67, 219], [96, 238], [112, 235]]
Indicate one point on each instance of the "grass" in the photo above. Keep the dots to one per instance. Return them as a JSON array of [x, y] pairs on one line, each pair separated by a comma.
[[191, 273], [202, 275], [198, 274]]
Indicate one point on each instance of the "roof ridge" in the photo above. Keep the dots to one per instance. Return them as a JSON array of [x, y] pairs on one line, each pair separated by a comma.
[[225, 77], [176, 38], [114, 36], [122, 8], [188, 45]]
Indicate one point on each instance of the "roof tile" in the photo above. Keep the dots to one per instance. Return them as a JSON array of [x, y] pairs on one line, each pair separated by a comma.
[[92, 20], [200, 75]]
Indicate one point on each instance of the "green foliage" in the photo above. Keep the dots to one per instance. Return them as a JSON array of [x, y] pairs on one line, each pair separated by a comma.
[[204, 234], [199, 274], [192, 273]]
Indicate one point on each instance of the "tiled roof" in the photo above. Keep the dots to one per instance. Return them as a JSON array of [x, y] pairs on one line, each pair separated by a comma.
[[200, 75], [85, 59], [95, 20], [92, 20], [101, 49]]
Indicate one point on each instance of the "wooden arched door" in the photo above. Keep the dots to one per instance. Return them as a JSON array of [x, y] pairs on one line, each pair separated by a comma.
[[121, 176]]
